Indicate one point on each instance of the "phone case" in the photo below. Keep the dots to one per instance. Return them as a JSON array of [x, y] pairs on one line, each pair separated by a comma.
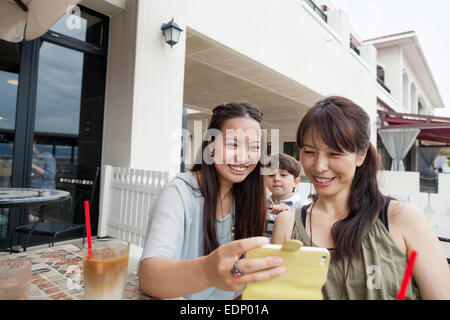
[[306, 273]]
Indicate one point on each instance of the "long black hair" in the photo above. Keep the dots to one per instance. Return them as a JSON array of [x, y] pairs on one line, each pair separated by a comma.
[[343, 125], [249, 195]]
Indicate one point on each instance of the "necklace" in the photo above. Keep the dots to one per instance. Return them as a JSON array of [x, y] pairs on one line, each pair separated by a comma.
[[232, 217], [311, 244]]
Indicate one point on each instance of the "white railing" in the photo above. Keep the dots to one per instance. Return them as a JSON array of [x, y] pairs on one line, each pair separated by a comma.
[[126, 198]]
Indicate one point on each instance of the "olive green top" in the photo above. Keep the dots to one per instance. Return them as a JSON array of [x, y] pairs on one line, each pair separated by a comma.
[[375, 275]]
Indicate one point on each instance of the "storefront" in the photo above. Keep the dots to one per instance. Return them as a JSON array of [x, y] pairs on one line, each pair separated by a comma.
[[52, 93]]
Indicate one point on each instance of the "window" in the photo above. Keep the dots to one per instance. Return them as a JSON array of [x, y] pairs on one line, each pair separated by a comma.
[[380, 73], [380, 78]]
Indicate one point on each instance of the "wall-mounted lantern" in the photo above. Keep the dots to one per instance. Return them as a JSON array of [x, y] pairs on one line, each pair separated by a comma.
[[171, 32]]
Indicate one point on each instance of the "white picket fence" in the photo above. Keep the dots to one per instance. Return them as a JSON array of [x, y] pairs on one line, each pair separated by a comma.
[[127, 196]]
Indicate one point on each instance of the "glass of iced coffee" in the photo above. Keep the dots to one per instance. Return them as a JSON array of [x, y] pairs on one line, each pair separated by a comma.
[[15, 279], [105, 269]]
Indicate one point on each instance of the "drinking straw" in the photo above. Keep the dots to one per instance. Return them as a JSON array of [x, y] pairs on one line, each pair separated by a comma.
[[407, 276], [88, 227]]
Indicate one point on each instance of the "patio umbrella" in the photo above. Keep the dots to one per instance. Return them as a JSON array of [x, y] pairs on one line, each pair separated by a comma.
[[30, 19]]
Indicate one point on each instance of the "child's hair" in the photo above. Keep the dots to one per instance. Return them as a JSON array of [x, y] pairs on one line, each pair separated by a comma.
[[286, 162]]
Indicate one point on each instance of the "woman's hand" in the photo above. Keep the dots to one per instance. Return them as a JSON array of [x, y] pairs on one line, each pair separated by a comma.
[[278, 208], [220, 263]]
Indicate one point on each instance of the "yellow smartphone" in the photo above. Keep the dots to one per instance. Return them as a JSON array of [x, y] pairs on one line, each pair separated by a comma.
[[306, 273]]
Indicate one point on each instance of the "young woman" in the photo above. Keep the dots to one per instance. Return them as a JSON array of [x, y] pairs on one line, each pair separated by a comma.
[[370, 236], [206, 219]]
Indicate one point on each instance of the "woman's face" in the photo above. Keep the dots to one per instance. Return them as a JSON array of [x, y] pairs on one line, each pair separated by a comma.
[[237, 155], [330, 171]]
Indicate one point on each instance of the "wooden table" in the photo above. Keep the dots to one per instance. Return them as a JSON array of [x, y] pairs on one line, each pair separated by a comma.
[[57, 274]]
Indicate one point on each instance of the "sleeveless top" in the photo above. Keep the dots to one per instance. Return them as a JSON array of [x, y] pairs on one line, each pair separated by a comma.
[[375, 275]]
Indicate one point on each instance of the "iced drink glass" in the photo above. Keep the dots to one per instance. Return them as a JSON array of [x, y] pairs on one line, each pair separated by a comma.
[[105, 270], [15, 279]]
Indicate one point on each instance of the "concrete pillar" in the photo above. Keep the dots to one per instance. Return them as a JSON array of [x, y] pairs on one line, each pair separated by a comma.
[[406, 92], [144, 91], [158, 91]]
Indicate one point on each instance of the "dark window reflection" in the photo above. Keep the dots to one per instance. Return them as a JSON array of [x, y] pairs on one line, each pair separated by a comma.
[[68, 123]]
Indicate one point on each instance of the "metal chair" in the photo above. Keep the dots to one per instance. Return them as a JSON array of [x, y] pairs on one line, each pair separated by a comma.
[[53, 229]]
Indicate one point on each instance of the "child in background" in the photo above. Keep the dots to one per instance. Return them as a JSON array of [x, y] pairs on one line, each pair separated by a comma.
[[282, 184]]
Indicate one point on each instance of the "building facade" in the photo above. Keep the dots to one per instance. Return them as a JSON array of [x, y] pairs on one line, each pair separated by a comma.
[[132, 93]]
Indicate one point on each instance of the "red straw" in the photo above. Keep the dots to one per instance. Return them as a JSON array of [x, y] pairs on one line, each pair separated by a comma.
[[88, 227], [407, 276]]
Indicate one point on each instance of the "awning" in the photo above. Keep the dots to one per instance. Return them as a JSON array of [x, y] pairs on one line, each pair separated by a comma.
[[30, 19], [431, 128]]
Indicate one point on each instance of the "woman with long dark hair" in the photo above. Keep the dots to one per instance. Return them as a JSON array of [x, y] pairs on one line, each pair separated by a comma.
[[370, 236], [206, 219]]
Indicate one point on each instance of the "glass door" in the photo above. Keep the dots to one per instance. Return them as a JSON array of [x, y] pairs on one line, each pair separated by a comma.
[[9, 82], [68, 123], [51, 115]]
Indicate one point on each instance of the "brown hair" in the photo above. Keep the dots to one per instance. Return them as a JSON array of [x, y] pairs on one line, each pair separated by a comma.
[[286, 162], [343, 125], [249, 195]]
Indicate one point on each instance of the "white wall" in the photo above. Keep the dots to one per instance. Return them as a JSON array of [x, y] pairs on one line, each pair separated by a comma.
[[394, 62], [289, 38], [420, 92], [144, 99], [391, 60], [396, 180], [158, 94], [444, 183]]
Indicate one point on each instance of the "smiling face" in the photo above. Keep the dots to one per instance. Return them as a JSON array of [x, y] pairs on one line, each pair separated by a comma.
[[281, 184], [237, 151], [330, 171]]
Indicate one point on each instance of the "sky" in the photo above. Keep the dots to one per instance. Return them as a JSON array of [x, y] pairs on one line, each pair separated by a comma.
[[429, 19]]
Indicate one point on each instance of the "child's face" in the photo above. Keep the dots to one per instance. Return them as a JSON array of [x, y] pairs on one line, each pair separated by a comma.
[[281, 183]]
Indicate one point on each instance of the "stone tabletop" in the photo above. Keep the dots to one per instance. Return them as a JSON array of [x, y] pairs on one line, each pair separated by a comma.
[[57, 274], [24, 196]]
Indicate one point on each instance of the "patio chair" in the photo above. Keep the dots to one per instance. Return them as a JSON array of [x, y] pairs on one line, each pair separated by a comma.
[[53, 229]]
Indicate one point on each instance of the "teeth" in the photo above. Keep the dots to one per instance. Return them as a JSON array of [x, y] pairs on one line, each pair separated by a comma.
[[322, 180], [240, 169]]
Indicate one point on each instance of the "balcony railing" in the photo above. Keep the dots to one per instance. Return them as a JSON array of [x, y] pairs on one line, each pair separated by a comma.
[[317, 10], [381, 83]]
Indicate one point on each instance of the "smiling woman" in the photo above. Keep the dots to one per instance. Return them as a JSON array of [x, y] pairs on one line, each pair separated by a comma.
[[371, 236], [206, 219]]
